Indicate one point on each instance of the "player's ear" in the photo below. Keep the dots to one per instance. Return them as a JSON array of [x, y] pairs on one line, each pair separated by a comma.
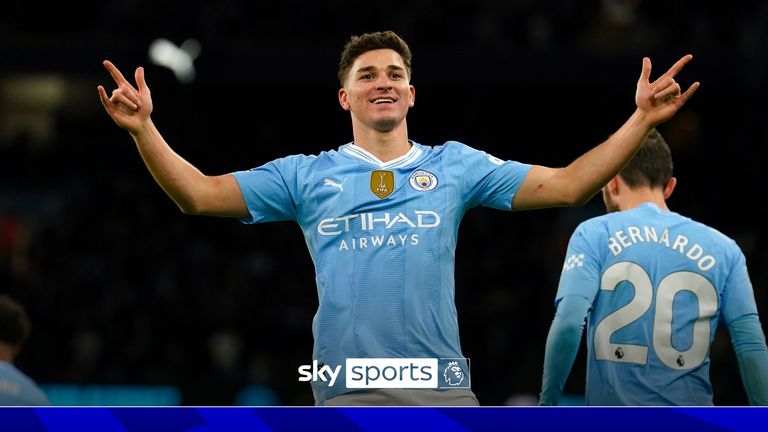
[[613, 186], [344, 99], [411, 96], [670, 187]]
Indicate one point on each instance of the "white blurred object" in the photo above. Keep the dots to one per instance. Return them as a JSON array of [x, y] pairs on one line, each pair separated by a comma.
[[179, 59]]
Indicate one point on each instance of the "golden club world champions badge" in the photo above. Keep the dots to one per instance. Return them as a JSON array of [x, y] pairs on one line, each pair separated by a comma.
[[382, 183]]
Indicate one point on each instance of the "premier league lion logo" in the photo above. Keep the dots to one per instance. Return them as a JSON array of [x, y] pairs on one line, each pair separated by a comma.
[[453, 374]]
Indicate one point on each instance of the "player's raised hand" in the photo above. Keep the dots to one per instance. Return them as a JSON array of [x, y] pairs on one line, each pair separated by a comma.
[[662, 98], [128, 106]]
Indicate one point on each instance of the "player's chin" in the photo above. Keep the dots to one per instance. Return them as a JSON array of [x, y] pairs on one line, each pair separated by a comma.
[[385, 124]]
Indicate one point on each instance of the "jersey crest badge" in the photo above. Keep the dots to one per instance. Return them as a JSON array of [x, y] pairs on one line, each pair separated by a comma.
[[423, 181], [382, 183]]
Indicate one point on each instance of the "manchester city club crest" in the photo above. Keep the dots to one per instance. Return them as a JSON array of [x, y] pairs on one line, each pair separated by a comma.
[[423, 181], [382, 183]]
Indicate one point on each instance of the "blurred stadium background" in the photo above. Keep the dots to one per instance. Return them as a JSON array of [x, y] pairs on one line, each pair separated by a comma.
[[124, 290]]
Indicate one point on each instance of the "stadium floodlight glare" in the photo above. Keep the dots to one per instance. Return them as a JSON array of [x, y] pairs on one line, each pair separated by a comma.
[[180, 60]]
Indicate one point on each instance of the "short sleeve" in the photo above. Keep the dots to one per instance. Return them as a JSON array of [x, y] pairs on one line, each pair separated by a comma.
[[488, 181], [271, 190]]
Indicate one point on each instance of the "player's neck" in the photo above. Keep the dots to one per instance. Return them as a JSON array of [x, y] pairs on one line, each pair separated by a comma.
[[641, 197], [386, 146], [7, 353]]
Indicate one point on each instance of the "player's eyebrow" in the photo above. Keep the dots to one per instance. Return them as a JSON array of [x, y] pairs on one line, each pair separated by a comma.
[[373, 68]]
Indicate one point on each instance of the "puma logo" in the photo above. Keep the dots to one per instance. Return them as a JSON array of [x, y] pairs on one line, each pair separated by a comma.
[[329, 182]]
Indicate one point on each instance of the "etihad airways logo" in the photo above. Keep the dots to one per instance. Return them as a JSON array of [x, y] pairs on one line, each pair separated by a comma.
[[367, 222], [370, 221]]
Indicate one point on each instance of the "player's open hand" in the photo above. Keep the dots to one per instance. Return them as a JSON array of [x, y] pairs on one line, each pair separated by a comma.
[[661, 99], [128, 106]]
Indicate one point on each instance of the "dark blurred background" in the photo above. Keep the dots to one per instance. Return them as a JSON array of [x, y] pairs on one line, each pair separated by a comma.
[[123, 289]]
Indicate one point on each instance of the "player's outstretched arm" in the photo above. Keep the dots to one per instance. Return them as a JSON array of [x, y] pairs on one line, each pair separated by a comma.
[[195, 193], [575, 184]]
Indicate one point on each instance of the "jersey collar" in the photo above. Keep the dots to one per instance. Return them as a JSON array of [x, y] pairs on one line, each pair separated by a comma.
[[358, 152]]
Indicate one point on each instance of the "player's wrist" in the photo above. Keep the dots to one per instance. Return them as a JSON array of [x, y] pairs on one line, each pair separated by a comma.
[[642, 119], [144, 129]]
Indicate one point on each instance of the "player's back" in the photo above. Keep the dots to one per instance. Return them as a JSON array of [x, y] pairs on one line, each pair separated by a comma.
[[664, 284]]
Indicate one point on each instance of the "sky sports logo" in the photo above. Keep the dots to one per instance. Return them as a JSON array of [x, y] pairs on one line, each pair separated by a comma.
[[372, 373]]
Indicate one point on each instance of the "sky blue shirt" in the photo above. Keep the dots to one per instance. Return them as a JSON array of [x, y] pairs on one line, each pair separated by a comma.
[[382, 237], [659, 284], [17, 389]]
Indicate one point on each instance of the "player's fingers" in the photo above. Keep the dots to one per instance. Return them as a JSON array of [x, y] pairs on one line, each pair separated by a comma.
[[679, 65], [103, 97], [140, 81], [118, 97], [645, 72], [672, 90], [129, 92], [688, 93], [661, 84], [115, 72]]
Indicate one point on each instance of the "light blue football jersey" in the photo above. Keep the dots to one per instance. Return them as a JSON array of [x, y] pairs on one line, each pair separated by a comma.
[[382, 237], [659, 284], [17, 389]]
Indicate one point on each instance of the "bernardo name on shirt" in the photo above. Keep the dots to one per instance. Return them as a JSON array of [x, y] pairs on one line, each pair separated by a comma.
[[632, 235]]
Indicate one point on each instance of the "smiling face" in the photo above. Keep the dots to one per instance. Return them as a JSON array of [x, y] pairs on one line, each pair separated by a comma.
[[377, 90]]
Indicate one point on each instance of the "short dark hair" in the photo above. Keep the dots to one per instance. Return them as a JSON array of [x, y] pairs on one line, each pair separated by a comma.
[[14, 324], [652, 164], [358, 45]]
